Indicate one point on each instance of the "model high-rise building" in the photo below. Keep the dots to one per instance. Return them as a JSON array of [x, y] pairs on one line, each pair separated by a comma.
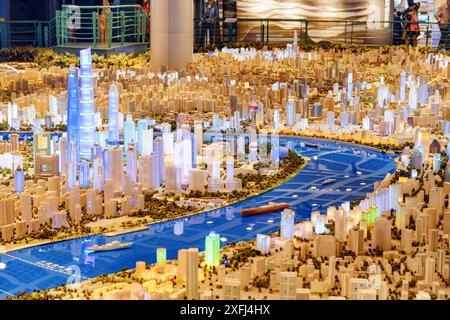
[[412, 98], [98, 174], [147, 141], [12, 114], [187, 157], [263, 243], [113, 114], [182, 265], [288, 285], [73, 125], [402, 86], [381, 237], [276, 118], [430, 266], [113, 167], [287, 224], [198, 138], [356, 240], [161, 258], [173, 179], [71, 175], [192, 274], [197, 180], [340, 225], [83, 174], [158, 150], [129, 132], [142, 126], [19, 182], [87, 115], [290, 112], [148, 171], [230, 169], [212, 250], [131, 166]]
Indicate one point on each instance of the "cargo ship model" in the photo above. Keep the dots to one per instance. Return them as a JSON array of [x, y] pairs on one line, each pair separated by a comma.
[[312, 145], [271, 207], [115, 245]]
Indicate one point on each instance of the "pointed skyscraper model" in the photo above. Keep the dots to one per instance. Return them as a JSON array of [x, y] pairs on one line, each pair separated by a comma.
[[73, 125]]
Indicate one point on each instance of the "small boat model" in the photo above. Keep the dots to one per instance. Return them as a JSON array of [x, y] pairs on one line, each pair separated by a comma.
[[311, 145], [115, 245], [328, 181], [271, 207]]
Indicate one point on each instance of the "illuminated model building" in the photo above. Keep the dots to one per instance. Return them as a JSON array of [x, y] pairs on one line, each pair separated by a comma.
[[87, 129]]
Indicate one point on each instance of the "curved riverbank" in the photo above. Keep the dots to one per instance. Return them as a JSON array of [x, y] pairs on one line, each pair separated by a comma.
[[140, 227], [336, 160], [143, 226]]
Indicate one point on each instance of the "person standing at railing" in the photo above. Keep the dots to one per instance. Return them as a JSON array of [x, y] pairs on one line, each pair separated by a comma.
[[208, 23], [397, 29], [103, 25], [411, 23], [443, 18], [145, 4]]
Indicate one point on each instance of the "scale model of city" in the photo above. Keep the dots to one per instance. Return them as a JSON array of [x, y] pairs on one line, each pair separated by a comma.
[[244, 174]]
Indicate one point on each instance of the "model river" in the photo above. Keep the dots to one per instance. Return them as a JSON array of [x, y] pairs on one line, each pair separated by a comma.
[[355, 169]]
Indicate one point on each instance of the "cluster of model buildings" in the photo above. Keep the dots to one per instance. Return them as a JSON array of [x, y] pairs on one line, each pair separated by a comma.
[[361, 259], [106, 161]]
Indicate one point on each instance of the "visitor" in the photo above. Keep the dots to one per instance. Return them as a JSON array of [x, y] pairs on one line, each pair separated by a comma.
[[443, 16], [411, 23], [397, 29], [208, 23], [103, 28], [145, 4]]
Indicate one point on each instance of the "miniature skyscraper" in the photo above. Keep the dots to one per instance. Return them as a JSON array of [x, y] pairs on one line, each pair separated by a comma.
[[113, 114], [87, 116], [73, 126], [19, 181], [212, 249], [287, 224]]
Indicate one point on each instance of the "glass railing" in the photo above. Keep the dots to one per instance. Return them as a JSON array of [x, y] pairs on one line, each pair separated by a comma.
[[106, 26], [27, 33], [322, 32], [101, 25]]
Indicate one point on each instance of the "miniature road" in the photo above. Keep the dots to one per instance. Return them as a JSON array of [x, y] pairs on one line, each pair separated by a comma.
[[49, 265]]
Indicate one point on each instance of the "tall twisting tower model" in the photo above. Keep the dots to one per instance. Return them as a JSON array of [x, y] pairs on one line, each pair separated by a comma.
[[87, 117]]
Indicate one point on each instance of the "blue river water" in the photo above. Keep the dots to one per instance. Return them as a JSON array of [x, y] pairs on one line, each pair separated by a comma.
[[355, 168]]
